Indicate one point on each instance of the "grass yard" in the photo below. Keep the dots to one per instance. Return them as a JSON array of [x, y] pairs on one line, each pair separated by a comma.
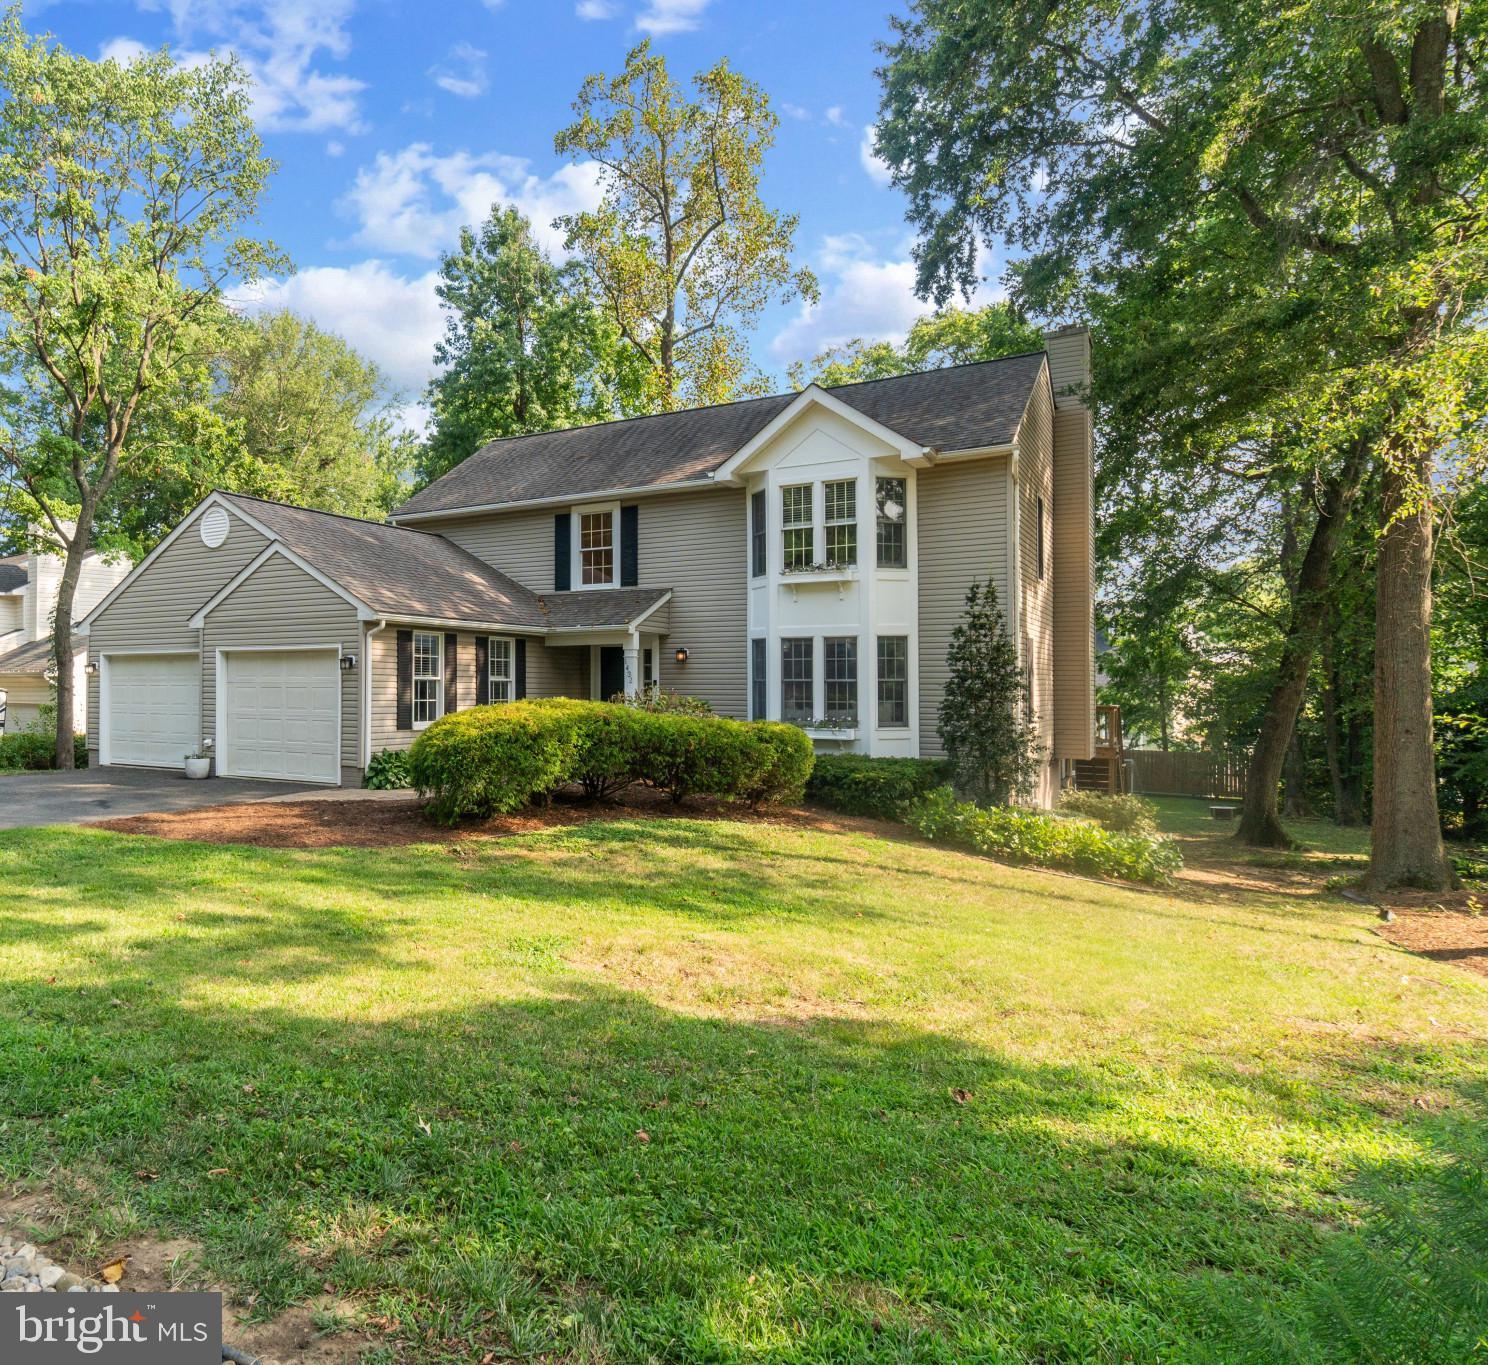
[[718, 1091]]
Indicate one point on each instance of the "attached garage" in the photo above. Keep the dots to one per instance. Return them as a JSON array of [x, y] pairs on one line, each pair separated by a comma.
[[280, 714], [151, 709]]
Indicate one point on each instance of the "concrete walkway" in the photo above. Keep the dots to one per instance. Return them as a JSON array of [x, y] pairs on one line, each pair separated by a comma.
[[31, 799]]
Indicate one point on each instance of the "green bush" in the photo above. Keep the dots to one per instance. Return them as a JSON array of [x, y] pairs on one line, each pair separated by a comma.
[[611, 746], [388, 771], [1124, 814], [32, 751], [664, 701], [492, 759], [885, 788], [1032, 837], [699, 755], [790, 758]]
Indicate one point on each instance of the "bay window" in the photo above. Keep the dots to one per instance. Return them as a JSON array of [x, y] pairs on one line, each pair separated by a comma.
[[841, 521], [893, 681], [797, 680], [798, 526], [891, 504], [840, 679]]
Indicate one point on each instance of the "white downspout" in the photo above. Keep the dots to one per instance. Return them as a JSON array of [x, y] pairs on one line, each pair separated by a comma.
[[368, 633]]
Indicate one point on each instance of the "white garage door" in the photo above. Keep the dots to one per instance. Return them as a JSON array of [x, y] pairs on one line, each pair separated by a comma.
[[153, 710], [281, 714]]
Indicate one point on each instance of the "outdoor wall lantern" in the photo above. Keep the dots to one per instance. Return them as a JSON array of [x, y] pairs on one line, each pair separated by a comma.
[[92, 669], [348, 663], [681, 656]]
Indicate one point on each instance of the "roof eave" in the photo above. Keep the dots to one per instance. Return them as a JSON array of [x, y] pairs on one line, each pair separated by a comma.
[[556, 500]]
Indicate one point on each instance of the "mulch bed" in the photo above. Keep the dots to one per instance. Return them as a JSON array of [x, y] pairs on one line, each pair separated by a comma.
[[329, 823], [1442, 935]]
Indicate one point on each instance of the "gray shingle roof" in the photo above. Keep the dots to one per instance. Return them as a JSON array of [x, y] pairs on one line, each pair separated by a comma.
[[35, 657], [13, 573], [415, 573], [963, 407]]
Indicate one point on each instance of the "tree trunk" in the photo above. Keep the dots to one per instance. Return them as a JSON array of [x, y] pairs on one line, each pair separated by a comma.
[[1406, 842], [1260, 818], [1295, 770], [1345, 797], [64, 754]]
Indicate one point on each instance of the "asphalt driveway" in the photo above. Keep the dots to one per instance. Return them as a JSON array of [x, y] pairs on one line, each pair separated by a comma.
[[28, 799]]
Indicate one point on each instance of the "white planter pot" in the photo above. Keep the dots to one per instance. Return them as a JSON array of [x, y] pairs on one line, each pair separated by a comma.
[[198, 767]]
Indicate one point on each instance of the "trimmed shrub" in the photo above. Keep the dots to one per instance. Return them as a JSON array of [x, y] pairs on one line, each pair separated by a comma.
[[857, 784], [699, 755], [492, 759], [32, 751], [783, 778], [611, 745], [1124, 814], [388, 771], [1031, 837]]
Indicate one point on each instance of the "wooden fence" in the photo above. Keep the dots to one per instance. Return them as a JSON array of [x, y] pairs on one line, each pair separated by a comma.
[[1187, 773]]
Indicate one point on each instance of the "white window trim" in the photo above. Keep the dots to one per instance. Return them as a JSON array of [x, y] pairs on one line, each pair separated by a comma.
[[576, 540], [438, 678], [810, 524], [511, 658], [852, 521]]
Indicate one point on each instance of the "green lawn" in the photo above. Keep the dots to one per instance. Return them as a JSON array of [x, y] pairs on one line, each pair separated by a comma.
[[901, 1104]]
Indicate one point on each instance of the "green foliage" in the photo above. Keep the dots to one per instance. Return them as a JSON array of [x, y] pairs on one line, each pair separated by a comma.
[[524, 348], [984, 721], [493, 759], [1123, 813], [952, 336], [388, 771], [682, 250], [883, 788], [1012, 834], [35, 751], [655, 698]]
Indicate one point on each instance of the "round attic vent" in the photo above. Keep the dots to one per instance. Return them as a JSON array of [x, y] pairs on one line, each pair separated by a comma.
[[214, 528]]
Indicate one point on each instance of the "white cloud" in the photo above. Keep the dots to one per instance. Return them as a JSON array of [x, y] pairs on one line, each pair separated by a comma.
[[463, 73], [393, 320], [663, 17], [122, 50], [796, 111], [591, 10], [836, 117], [279, 42], [414, 202], [875, 165], [864, 295]]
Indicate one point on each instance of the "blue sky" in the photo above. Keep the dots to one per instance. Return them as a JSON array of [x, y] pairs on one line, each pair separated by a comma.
[[394, 121]]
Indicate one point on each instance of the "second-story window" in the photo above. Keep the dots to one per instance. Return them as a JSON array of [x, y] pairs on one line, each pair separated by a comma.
[[596, 548], [891, 499], [842, 521], [757, 540], [798, 530]]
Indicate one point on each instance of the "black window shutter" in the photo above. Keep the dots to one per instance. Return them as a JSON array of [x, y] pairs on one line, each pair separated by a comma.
[[630, 545], [562, 553], [482, 671], [405, 680], [519, 685], [451, 673]]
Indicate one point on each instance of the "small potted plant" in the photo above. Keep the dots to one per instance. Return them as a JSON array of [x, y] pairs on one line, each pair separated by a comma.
[[199, 763]]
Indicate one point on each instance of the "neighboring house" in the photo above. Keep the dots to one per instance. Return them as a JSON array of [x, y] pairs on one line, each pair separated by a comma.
[[28, 601], [801, 557]]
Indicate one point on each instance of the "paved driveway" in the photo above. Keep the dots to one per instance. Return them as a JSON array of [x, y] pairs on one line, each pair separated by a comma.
[[104, 793]]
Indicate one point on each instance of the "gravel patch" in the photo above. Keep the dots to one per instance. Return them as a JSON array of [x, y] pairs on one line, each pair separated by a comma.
[[24, 1270]]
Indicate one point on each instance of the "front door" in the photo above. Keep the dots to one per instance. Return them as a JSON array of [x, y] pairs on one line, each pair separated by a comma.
[[611, 671]]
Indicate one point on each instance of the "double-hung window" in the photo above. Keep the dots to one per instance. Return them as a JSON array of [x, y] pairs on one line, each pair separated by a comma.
[[840, 679], [890, 497], [798, 528], [597, 548], [757, 696], [757, 533], [428, 678], [499, 673], [893, 681], [796, 680], [841, 521]]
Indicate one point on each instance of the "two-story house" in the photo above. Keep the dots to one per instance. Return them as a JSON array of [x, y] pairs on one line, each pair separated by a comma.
[[28, 602], [801, 557]]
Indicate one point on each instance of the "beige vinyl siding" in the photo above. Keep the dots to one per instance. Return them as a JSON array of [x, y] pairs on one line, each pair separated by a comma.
[[10, 614], [694, 543], [1036, 610], [280, 605], [550, 673], [962, 536], [518, 543], [1074, 585], [152, 611]]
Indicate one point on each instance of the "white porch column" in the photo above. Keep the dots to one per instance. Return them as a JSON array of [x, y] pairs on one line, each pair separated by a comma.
[[632, 664]]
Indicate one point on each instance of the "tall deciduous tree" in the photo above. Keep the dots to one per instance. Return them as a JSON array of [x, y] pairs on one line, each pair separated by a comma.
[[524, 347], [1345, 146], [682, 250], [952, 336], [124, 193]]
